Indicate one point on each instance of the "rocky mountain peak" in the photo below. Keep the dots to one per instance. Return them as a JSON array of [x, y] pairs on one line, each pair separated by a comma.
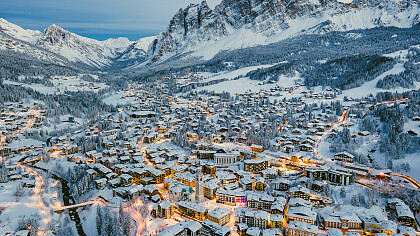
[[271, 20]]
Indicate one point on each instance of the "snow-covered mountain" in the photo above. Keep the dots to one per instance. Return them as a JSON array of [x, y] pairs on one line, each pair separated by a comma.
[[120, 44], [56, 41], [235, 24], [137, 49]]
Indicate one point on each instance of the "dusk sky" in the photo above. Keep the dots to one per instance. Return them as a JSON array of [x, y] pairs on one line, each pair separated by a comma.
[[100, 19]]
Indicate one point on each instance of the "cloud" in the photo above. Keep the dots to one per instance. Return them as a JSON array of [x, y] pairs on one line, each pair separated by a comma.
[[80, 16]]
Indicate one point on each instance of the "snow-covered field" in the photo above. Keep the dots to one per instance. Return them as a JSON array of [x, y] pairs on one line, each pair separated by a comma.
[[62, 84]]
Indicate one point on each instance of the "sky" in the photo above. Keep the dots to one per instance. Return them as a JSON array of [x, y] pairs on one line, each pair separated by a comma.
[[99, 19]]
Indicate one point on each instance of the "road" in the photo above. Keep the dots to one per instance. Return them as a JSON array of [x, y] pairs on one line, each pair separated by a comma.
[[409, 179]]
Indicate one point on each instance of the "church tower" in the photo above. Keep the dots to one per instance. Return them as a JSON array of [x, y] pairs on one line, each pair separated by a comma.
[[199, 188]]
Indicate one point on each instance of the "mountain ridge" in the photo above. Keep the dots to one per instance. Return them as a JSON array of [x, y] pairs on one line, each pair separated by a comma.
[[201, 30]]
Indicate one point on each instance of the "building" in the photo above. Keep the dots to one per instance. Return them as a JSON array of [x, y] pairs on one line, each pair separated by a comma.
[[338, 177], [260, 201], [370, 224], [341, 220], [184, 228], [181, 192], [344, 156], [317, 172], [210, 187], [163, 209], [297, 228], [300, 192], [219, 215], [404, 215], [281, 184], [301, 213], [232, 197], [389, 227], [276, 221], [225, 159], [212, 229], [199, 186], [334, 232], [192, 210], [256, 165], [257, 148], [252, 218]]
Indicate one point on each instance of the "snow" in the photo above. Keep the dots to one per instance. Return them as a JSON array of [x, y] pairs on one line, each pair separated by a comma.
[[119, 98], [231, 74], [62, 84], [370, 87], [30, 36], [345, 1], [245, 84], [413, 160], [144, 43], [120, 44], [352, 19]]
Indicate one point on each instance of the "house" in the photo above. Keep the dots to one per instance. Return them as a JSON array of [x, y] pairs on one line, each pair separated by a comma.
[[126, 180], [276, 221], [257, 148], [341, 220], [344, 156], [100, 183], [181, 192], [246, 184], [281, 184], [334, 232]]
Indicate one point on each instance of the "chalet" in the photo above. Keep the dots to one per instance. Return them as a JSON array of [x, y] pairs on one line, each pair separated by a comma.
[[344, 156]]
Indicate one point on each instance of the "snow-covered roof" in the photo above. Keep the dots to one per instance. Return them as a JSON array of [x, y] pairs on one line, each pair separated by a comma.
[[301, 225], [173, 230], [193, 206], [219, 213]]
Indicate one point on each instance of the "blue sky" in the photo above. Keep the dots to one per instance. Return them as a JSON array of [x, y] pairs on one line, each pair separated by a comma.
[[100, 19]]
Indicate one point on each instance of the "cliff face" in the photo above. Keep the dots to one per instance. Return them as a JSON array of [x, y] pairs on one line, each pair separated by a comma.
[[277, 19]]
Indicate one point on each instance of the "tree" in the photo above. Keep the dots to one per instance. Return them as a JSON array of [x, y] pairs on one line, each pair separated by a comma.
[[19, 192], [355, 201], [343, 192], [99, 220], [3, 174]]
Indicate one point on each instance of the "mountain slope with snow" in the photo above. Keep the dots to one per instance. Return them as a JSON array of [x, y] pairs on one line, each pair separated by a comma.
[[73, 47], [235, 24]]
